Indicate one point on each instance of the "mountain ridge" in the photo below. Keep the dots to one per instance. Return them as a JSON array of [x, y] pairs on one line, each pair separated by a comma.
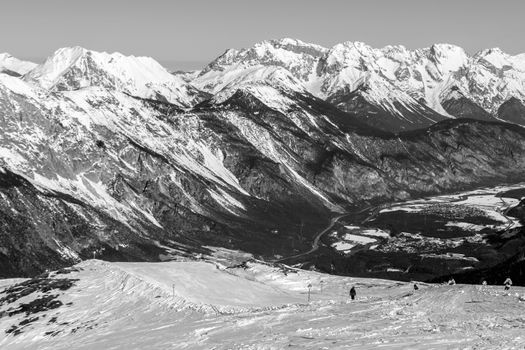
[[243, 165], [488, 78]]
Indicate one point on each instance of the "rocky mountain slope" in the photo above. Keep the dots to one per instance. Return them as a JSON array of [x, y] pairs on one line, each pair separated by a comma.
[[111, 156], [404, 89]]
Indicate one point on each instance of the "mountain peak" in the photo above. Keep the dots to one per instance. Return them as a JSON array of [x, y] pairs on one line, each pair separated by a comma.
[[296, 45], [73, 68], [498, 58], [12, 64], [445, 47], [409, 75], [5, 55]]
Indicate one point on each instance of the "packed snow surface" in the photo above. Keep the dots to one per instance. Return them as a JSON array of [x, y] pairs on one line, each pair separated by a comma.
[[199, 305]]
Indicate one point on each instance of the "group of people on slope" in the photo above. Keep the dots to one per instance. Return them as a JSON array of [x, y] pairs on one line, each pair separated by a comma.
[[507, 283], [451, 282], [353, 292]]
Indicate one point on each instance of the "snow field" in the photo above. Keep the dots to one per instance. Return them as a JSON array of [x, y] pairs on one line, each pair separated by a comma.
[[131, 306]]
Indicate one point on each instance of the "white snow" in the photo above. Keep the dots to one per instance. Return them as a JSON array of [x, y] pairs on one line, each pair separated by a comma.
[[343, 246], [18, 86], [71, 68], [214, 162], [466, 226], [229, 203], [484, 199], [13, 158], [374, 233], [199, 305], [393, 73], [348, 241], [93, 192], [358, 239], [202, 284], [451, 256], [13, 64], [410, 208], [66, 251]]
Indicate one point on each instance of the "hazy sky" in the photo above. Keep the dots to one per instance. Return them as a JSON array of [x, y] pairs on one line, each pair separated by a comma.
[[185, 34]]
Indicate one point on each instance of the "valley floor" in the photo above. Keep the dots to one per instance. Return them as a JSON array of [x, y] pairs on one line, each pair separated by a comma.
[[203, 305], [430, 238]]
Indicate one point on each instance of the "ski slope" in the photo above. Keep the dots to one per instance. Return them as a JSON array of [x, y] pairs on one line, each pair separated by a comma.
[[202, 305]]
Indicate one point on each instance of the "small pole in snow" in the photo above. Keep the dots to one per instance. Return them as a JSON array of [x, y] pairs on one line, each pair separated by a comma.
[[173, 287], [309, 287], [322, 286], [94, 252]]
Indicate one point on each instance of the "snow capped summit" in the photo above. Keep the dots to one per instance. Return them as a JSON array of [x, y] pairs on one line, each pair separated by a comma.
[[55, 66], [392, 73], [448, 58], [500, 60], [75, 68], [347, 54], [11, 64], [298, 57], [397, 79]]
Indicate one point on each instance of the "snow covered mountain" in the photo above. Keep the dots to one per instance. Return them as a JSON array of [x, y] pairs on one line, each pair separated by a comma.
[[350, 160], [12, 65], [391, 82], [113, 156], [74, 68]]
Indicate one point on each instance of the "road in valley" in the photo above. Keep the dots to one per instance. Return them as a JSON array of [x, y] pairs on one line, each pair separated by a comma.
[[318, 236], [374, 211]]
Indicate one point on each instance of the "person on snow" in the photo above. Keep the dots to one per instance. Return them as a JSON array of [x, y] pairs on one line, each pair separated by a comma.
[[352, 293], [507, 283], [415, 286]]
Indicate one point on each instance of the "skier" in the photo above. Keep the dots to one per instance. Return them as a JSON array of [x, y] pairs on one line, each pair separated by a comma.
[[352, 293], [415, 286], [507, 283], [483, 285]]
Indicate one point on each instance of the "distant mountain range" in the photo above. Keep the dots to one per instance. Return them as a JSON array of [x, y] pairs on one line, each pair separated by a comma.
[[113, 156], [392, 88]]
